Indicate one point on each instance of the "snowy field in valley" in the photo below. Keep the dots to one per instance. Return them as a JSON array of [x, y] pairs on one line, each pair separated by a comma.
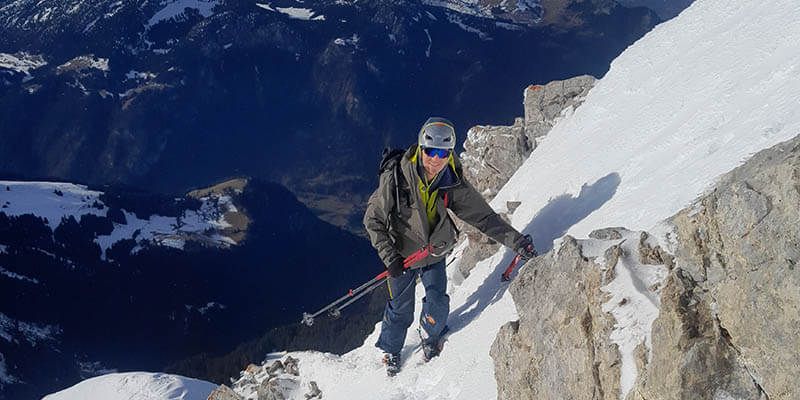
[[55, 201], [690, 101]]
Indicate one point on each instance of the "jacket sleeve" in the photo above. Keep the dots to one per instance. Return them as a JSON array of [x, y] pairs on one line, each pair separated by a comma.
[[471, 207], [376, 219]]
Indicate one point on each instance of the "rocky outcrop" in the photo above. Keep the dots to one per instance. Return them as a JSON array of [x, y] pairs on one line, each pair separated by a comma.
[[718, 320], [568, 342], [279, 380], [492, 154], [736, 303], [545, 105]]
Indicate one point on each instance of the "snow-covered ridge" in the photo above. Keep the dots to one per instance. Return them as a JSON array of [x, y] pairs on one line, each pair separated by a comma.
[[21, 62], [486, 9], [54, 201], [137, 385], [305, 14], [13, 331], [176, 8]]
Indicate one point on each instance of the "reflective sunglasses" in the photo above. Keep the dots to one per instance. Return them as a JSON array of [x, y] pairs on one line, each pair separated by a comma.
[[434, 152]]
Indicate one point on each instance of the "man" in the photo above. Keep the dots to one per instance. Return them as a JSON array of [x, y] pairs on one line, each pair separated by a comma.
[[408, 212]]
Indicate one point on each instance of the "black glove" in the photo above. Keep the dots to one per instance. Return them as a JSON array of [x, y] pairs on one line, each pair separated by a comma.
[[395, 268], [524, 247]]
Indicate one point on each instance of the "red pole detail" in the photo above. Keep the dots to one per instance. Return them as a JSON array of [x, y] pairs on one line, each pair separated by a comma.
[[350, 293], [507, 273]]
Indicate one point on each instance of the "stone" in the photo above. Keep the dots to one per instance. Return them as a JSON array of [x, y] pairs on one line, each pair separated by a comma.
[[224, 393], [315, 393], [290, 366], [607, 233], [492, 154], [558, 349], [740, 244], [545, 105]]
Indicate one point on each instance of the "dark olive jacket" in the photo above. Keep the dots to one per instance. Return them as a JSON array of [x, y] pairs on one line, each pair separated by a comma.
[[398, 234]]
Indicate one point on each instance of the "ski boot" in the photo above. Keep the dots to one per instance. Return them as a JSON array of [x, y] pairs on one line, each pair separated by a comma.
[[392, 362], [432, 347]]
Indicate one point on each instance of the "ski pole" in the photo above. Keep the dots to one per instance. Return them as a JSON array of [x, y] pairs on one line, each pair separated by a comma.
[[308, 319]]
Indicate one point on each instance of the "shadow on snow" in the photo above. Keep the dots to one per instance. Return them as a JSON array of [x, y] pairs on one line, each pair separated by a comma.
[[550, 223]]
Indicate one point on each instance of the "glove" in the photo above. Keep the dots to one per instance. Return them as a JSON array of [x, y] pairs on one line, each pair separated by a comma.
[[395, 268], [524, 247]]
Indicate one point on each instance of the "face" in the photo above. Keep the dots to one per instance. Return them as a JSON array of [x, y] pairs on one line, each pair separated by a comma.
[[433, 165]]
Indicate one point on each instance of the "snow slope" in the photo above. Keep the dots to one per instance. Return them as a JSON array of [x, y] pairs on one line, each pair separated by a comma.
[[688, 102], [137, 386]]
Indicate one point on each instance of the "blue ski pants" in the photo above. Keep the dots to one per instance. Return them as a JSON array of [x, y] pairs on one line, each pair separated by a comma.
[[399, 312]]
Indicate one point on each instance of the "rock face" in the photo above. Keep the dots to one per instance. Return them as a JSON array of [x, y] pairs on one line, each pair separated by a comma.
[[722, 317], [545, 105], [736, 302], [493, 153], [566, 343]]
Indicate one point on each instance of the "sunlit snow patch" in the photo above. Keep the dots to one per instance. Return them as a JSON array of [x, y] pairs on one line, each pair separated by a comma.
[[137, 385], [305, 14]]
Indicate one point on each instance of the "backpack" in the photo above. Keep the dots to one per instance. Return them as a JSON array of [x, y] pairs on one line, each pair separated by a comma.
[[390, 160]]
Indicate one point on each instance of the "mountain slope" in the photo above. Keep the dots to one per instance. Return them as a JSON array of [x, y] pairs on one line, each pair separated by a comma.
[[688, 102], [685, 104], [167, 97]]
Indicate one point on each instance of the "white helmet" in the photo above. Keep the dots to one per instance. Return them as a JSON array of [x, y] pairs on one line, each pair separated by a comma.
[[438, 133]]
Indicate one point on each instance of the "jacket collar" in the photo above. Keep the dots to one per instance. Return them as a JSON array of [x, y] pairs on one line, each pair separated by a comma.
[[448, 178]]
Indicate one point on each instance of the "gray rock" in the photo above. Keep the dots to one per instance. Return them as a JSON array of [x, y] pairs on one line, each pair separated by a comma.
[[277, 388], [290, 365], [224, 393], [492, 154], [741, 243], [545, 104], [559, 349], [315, 393], [692, 357], [607, 233]]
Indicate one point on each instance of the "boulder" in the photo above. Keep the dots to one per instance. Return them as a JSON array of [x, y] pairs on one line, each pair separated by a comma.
[[545, 105], [559, 348], [224, 393]]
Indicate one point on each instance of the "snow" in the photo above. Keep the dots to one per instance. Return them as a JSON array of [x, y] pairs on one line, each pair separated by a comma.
[[41, 199], [634, 300], [305, 14], [5, 377], [16, 276], [12, 331], [690, 101], [134, 74], [430, 43], [54, 201], [176, 8], [22, 62], [458, 21], [137, 386]]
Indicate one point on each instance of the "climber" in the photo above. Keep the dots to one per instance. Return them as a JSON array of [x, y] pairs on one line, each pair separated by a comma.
[[408, 212]]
